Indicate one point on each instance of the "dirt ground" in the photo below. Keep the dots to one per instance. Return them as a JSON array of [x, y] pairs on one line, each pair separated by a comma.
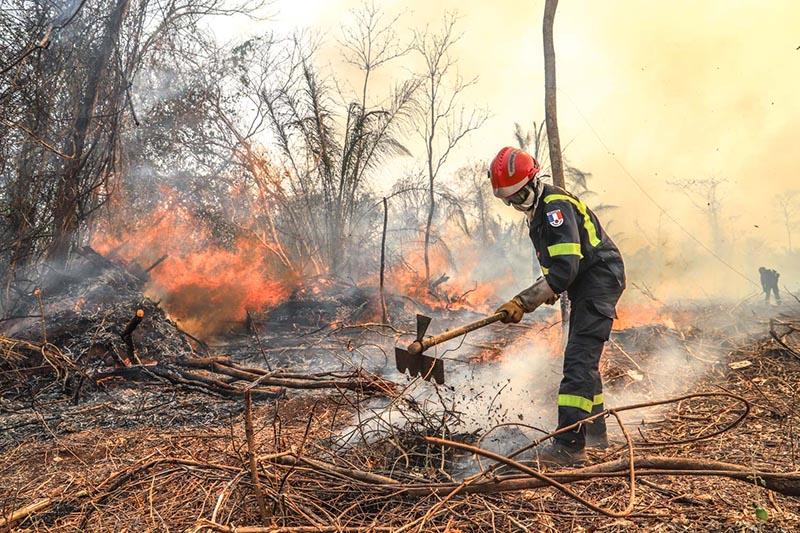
[[150, 456]]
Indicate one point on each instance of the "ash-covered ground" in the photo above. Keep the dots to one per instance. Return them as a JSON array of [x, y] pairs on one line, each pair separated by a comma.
[[143, 453]]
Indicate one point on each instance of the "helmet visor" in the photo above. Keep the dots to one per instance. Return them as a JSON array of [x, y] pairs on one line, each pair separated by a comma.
[[519, 197]]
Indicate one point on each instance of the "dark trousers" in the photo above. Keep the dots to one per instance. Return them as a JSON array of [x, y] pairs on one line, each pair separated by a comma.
[[581, 390], [774, 288]]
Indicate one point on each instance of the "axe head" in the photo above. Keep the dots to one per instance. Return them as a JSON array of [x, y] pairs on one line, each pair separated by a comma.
[[429, 368], [422, 326]]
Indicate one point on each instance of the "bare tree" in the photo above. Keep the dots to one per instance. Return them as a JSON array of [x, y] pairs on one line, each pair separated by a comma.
[[551, 118], [704, 195], [76, 182], [473, 177], [789, 203], [443, 123], [66, 102], [370, 42], [532, 140], [327, 161], [550, 103]]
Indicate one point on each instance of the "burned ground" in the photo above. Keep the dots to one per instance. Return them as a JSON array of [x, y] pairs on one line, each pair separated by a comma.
[[345, 443]]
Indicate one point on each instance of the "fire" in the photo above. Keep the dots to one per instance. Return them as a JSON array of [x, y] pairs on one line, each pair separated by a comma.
[[636, 315], [79, 304], [203, 285], [462, 289], [206, 288]]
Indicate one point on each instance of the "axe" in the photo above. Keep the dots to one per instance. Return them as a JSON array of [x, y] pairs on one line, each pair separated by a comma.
[[431, 368]]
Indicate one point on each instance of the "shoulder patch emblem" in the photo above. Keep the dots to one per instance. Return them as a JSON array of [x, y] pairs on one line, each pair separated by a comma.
[[555, 218]]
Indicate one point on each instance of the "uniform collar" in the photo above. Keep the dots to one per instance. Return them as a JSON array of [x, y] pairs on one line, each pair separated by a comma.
[[531, 213]]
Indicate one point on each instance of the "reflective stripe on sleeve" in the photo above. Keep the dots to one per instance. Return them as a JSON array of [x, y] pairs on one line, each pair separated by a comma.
[[591, 230], [545, 270], [565, 248], [570, 400]]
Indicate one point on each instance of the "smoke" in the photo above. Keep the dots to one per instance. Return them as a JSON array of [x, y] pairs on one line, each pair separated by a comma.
[[653, 97], [671, 93], [650, 95], [520, 388], [667, 368], [507, 402]]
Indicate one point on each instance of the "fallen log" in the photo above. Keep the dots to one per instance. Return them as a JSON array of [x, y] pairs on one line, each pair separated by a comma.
[[361, 381], [263, 384], [787, 483], [182, 378], [783, 483], [10, 519]]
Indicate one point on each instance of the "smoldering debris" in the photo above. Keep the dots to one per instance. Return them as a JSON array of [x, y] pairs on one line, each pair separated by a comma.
[[148, 453], [88, 335]]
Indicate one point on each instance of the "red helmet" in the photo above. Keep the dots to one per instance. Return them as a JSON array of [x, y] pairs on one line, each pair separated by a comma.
[[511, 170]]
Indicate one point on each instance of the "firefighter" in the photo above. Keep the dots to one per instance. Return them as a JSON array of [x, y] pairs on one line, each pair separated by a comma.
[[577, 257], [769, 282]]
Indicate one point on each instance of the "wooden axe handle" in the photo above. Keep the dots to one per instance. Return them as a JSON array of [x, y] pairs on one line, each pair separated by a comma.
[[418, 347]]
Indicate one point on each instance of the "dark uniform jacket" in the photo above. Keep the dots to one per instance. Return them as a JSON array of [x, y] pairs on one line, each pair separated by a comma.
[[769, 278], [574, 252]]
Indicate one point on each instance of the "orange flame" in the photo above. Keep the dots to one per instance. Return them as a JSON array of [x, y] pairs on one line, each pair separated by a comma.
[[79, 304], [462, 290], [632, 315], [203, 285]]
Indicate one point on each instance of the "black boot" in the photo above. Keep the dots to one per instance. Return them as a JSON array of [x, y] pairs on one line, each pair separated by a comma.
[[560, 453], [596, 433], [597, 439]]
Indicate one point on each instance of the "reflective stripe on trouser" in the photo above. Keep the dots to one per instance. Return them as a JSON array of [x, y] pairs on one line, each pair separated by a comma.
[[581, 390], [598, 425]]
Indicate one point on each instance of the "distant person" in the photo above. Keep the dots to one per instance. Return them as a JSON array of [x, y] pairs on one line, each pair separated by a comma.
[[769, 282]]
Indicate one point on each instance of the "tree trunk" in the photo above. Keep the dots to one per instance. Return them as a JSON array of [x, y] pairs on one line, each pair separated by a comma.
[[428, 224], [384, 313], [550, 107], [431, 176], [551, 118], [66, 216]]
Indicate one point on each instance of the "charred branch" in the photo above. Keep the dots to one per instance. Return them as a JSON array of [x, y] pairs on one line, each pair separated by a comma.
[[783, 483], [133, 324], [261, 383], [158, 262], [360, 380], [128, 332]]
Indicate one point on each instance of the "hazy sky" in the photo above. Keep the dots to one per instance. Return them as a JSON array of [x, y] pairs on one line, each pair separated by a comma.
[[675, 90]]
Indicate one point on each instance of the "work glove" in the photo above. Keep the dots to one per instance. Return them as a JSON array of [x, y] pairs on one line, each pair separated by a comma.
[[553, 299], [513, 310]]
